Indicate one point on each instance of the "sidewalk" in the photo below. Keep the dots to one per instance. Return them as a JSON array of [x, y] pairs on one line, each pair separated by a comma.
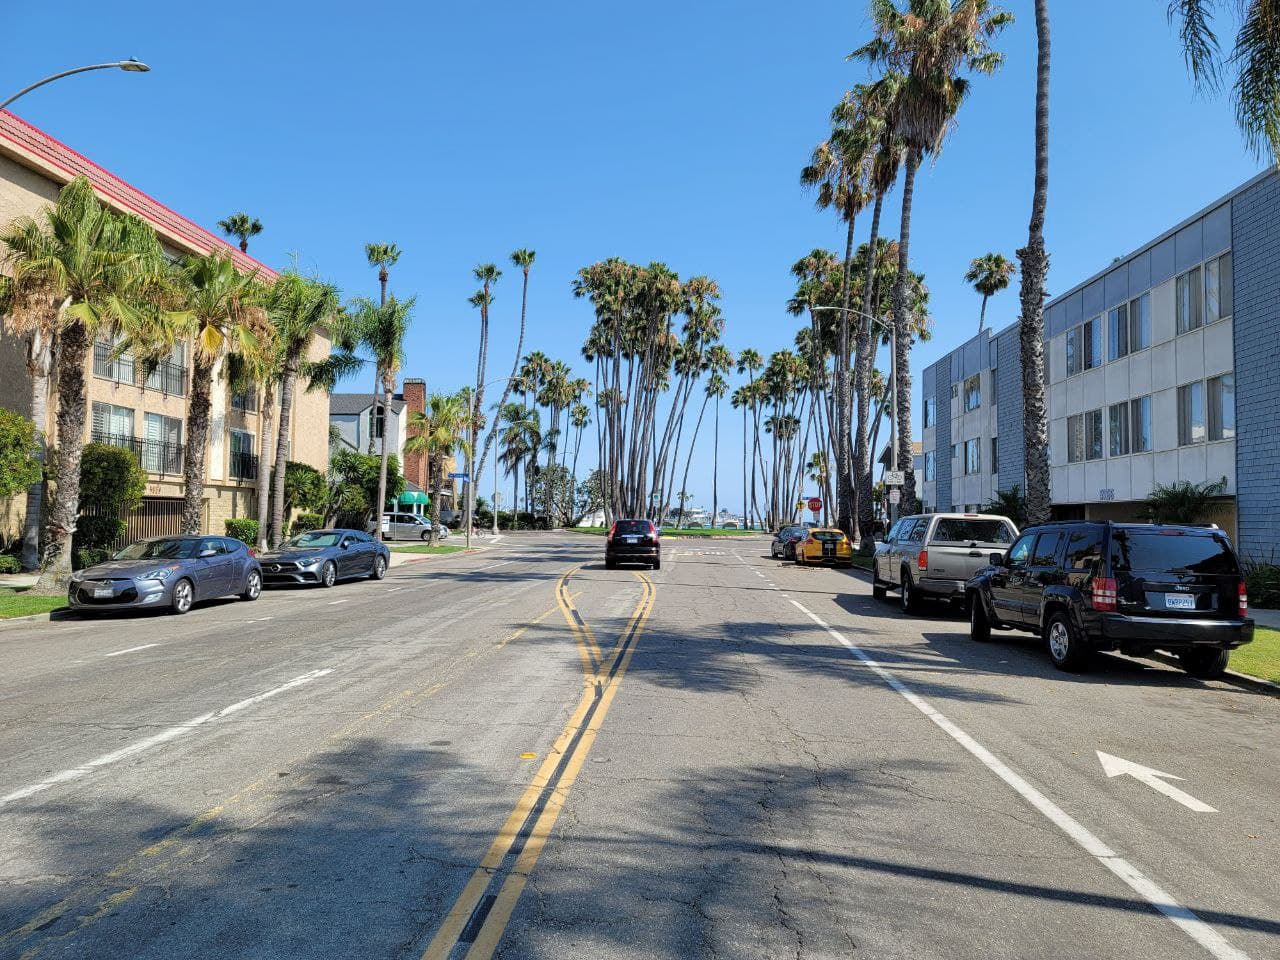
[[1266, 618], [12, 581]]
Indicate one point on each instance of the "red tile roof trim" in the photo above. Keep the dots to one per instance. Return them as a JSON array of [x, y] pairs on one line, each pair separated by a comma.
[[30, 140]]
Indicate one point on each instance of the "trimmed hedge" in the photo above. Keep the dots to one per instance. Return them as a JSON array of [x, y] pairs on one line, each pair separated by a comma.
[[304, 522], [243, 529], [90, 556], [9, 564]]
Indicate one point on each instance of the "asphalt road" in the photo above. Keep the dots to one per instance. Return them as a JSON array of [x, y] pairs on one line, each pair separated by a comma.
[[517, 753]]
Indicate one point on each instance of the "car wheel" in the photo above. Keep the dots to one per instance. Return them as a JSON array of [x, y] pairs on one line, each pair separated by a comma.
[[1205, 664], [182, 597], [878, 589], [426, 535], [1067, 648], [610, 564], [252, 586], [979, 625], [379, 568], [328, 574], [910, 601], [657, 564]]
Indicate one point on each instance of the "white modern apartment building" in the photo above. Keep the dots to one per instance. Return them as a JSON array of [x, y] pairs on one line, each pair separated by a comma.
[[1163, 367]]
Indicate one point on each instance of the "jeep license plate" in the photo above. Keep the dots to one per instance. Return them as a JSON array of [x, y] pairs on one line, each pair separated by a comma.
[[1179, 601], [631, 539]]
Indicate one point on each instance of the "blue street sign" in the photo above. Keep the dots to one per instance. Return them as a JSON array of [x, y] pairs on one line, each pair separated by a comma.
[[459, 476]]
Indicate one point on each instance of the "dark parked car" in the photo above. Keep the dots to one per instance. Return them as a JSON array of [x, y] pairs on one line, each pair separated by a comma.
[[785, 540], [633, 541], [325, 557], [1132, 587], [172, 572]]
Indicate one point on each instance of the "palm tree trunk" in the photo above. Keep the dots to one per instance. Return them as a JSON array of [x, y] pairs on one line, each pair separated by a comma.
[[60, 522], [1035, 264], [693, 442], [288, 385], [264, 454], [197, 443], [982, 314], [715, 469], [506, 390], [864, 362], [388, 384], [40, 365], [844, 473], [902, 344], [744, 467]]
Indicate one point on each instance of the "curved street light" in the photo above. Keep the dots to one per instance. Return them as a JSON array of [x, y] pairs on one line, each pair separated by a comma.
[[129, 66]]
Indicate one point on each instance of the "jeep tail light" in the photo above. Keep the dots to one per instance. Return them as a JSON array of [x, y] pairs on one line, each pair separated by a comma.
[[609, 536], [1104, 593], [1244, 601], [923, 560]]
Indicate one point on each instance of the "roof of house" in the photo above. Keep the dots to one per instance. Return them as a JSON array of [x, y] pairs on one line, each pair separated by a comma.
[[347, 404], [34, 148]]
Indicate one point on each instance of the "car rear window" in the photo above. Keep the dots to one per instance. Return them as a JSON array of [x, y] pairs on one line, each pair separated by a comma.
[[633, 526], [957, 530], [1172, 551], [827, 535]]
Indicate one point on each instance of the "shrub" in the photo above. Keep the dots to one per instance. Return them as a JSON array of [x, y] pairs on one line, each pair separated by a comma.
[[19, 467], [1184, 501], [111, 478], [304, 522], [1262, 579], [9, 564], [243, 529], [97, 532], [89, 556]]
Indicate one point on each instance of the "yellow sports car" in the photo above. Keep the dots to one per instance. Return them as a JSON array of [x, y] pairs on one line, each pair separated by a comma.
[[829, 547]]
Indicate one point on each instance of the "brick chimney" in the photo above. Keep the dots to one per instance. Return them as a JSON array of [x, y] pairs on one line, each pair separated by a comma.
[[415, 400]]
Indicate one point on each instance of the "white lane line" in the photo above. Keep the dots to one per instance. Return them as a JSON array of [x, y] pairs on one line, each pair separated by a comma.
[[118, 653], [164, 736], [1184, 918], [259, 619], [333, 602], [492, 566]]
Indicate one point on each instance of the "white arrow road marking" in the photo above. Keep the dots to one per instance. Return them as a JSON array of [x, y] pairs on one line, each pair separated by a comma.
[[1186, 920], [1118, 766], [172, 733]]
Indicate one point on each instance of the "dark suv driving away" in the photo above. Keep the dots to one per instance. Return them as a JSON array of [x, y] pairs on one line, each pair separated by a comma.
[[1133, 587], [633, 541]]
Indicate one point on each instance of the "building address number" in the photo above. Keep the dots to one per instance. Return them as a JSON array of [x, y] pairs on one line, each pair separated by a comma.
[[1107, 493]]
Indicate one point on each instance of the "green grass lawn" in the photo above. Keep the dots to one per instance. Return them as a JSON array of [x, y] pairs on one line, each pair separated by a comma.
[[863, 562], [425, 548], [15, 603], [1260, 658]]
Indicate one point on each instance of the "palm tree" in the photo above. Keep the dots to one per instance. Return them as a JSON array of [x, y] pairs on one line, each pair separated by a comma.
[[217, 309], [382, 256], [487, 275], [1035, 264], [749, 361], [717, 387], [257, 367], [929, 44], [300, 310], [989, 274], [382, 328], [580, 418], [102, 274], [523, 259], [1256, 89], [437, 432], [241, 226]]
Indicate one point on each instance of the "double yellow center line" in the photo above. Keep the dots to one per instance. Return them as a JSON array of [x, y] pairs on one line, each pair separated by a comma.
[[478, 917]]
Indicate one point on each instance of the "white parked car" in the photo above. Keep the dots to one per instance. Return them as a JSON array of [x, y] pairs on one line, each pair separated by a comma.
[[408, 526]]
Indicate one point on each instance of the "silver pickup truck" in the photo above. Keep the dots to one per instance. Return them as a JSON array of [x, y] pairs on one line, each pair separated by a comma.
[[934, 554]]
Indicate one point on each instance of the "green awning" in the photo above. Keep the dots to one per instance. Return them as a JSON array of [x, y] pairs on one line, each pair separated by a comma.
[[410, 497]]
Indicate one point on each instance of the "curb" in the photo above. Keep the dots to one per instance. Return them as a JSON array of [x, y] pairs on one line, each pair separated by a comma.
[[1233, 677]]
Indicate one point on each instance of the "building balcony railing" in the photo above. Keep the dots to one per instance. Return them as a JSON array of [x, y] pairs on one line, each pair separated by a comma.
[[168, 377], [108, 366], [155, 456], [245, 400], [244, 466]]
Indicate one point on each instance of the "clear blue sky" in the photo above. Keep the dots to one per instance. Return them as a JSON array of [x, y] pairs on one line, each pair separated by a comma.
[[667, 131]]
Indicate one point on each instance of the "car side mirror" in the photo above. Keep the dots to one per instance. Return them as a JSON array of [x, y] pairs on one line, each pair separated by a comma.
[[345, 544], [208, 552], [996, 559]]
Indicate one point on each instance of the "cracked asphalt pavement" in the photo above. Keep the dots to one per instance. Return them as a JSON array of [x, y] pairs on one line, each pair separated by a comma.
[[770, 764]]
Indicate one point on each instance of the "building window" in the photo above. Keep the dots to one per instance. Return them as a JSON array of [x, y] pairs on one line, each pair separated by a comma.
[[1217, 289], [1075, 438], [245, 400], [973, 393], [109, 366], [1118, 429], [162, 446], [244, 463], [955, 451], [930, 411], [1118, 332], [995, 454], [112, 425], [1188, 300], [1222, 407], [170, 374], [972, 456], [377, 422], [1140, 323], [930, 466], [1093, 434], [1140, 439], [1191, 418], [1084, 346], [1075, 351]]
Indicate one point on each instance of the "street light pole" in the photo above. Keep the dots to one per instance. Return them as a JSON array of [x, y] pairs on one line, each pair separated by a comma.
[[129, 66]]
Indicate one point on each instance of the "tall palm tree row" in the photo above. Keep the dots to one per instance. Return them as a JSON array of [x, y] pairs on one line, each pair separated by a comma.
[[522, 258], [931, 44]]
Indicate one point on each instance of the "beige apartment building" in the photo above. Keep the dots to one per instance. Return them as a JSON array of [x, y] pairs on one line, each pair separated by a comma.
[[146, 412]]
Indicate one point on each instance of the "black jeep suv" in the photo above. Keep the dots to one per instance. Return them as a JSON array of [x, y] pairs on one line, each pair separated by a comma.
[[633, 541], [1132, 587]]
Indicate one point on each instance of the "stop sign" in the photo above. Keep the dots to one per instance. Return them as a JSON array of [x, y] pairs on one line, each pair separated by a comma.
[[815, 504]]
